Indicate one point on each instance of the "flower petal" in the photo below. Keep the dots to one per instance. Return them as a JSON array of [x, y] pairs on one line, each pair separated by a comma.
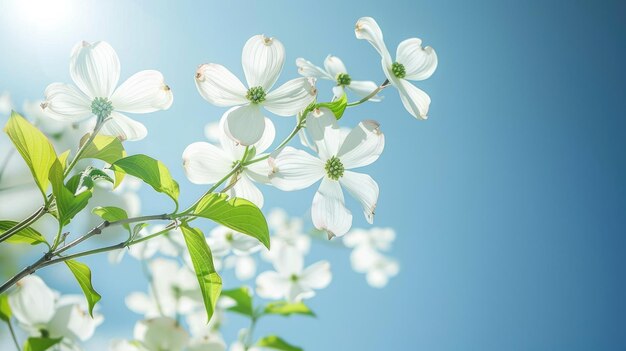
[[124, 128], [308, 69], [219, 86], [95, 68], [291, 97], [262, 59], [271, 285], [32, 302], [363, 145], [363, 88], [414, 99], [334, 66], [367, 28], [298, 292], [329, 212], [289, 262], [259, 171], [65, 102], [143, 92], [267, 139], [363, 188], [245, 188], [245, 124], [322, 127], [419, 63], [317, 275], [205, 163], [294, 169]]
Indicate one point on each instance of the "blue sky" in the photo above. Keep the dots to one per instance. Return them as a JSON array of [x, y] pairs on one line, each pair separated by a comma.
[[508, 202]]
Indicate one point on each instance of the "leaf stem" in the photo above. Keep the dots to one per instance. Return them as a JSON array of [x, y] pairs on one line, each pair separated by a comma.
[[17, 344], [83, 147]]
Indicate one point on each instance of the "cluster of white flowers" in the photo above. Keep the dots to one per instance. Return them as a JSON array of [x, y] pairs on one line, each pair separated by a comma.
[[240, 156]]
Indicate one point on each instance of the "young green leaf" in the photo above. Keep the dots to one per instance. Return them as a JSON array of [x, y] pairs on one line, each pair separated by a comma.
[[34, 147], [337, 107], [86, 180], [83, 275], [273, 342], [27, 235], [243, 300], [210, 281], [67, 204], [63, 158], [106, 148], [285, 308], [5, 309], [40, 344], [152, 172], [111, 214], [236, 213]]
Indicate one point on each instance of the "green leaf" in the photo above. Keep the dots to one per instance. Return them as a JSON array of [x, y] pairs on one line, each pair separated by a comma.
[[63, 158], [338, 106], [152, 172], [243, 300], [111, 214], [34, 147], [273, 342], [285, 308], [235, 213], [136, 229], [210, 281], [27, 235], [87, 179], [106, 148], [5, 309], [83, 275], [67, 204], [40, 344]]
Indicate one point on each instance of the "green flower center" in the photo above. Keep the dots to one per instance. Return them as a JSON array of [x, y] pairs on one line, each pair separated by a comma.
[[229, 237], [398, 70], [294, 278], [343, 79], [101, 107], [256, 95], [334, 168]]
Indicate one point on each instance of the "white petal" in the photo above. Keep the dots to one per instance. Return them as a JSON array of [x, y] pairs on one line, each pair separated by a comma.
[[245, 124], [367, 28], [138, 302], [245, 188], [414, 99], [363, 88], [32, 302], [65, 102], [334, 66], [363, 145], [262, 59], [161, 333], [289, 262], [124, 128], [298, 292], [245, 268], [219, 86], [324, 131], [294, 169], [363, 258], [71, 321], [317, 275], [267, 139], [95, 68], [308, 69], [329, 212], [270, 285], [205, 163], [259, 172], [419, 63], [143, 92], [363, 188], [291, 97]]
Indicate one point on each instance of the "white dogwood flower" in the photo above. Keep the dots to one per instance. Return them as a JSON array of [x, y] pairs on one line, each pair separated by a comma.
[[95, 69], [72, 320], [262, 59], [287, 233], [294, 169], [413, 62], [291, 280], [162, 333], [377, 267], [32, 302], [224, 241], [373, 238], [206, 163], [334, 70]]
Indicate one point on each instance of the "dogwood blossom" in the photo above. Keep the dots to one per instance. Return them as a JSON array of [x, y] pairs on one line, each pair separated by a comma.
[[294, 169], [95, 69], [287, 233], [291, 280], [206, 163], [161, 333], [334, 70], [377, 267], [262, 59], [373, 238], [413, 62]]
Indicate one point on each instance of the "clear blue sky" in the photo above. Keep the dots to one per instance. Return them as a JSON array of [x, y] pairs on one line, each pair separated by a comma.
[[509, 201]]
